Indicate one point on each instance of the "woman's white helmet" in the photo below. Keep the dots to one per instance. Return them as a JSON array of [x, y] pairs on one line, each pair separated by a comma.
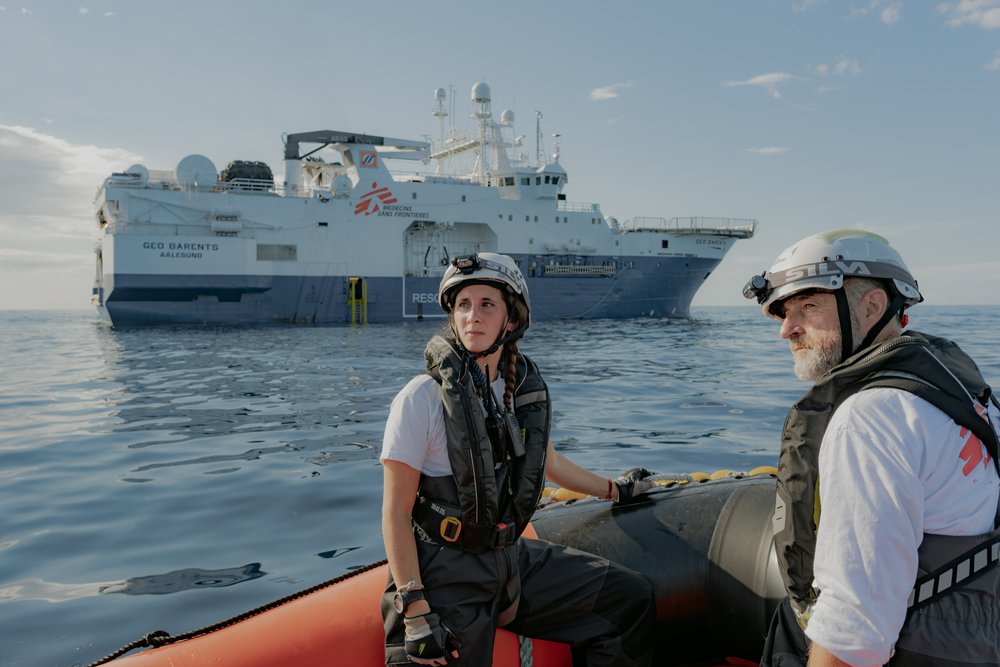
[[484, 267], [823, 261]]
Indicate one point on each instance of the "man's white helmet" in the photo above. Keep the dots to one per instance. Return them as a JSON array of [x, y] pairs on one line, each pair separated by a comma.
[[823, 261], [488, 268]]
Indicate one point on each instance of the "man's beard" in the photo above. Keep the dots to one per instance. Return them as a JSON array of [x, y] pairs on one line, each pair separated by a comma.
[[822, 353]]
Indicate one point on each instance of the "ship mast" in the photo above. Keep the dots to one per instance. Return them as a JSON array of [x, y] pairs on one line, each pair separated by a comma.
[[539, 149], [483, 113]]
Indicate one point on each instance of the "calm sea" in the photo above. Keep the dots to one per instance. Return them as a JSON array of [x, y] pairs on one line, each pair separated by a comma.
[[168, 478]]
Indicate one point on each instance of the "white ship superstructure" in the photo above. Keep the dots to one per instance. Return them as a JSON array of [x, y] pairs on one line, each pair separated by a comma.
[[347, 240]]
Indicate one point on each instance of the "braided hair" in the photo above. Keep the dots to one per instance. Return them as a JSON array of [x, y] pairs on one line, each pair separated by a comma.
[[517, 313]]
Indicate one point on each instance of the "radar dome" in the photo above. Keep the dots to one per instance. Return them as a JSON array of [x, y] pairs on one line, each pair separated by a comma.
[[481, 92], [507, 117], [196, 170], [140, 172], [439, 94], [341, 186]]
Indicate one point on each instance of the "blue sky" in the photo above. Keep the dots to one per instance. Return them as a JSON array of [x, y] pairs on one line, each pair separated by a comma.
[[804, 114]]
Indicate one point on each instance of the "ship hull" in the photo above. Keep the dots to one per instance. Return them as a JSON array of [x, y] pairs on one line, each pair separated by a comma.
[[652, 287]]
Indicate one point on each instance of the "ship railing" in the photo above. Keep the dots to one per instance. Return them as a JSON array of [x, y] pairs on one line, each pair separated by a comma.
[[580, 270], [742, 228], [168, 183], [247, 185]]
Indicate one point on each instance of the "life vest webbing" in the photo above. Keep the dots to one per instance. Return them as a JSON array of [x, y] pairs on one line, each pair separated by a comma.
[[965, 567]]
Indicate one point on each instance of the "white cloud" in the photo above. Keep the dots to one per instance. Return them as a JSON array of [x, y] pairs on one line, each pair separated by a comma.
[[84, 10], [860, 12], [806, 5], [768, 150], [47, 220], [768, 82], [984, 14], [25, 11], [32, 259], [841, 66], [993, 64], [845, 65], [892, 13], [64, 164], [609, 92]]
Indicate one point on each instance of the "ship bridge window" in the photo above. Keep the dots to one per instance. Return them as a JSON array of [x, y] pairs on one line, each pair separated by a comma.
[[538, 180], [555, 180], [526, 180], [665, 243], [508, 180], [548, 179]]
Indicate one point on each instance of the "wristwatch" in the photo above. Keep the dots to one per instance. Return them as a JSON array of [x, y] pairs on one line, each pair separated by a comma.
[[405, 598]]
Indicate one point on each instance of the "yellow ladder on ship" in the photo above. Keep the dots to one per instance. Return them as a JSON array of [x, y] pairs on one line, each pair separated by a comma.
[[357, 299]]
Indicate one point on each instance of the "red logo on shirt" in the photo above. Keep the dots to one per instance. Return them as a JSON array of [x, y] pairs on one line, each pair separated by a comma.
[[973, 453]]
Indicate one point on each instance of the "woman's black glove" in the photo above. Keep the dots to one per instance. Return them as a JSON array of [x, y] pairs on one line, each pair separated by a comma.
[[428, 641], [633, 483]]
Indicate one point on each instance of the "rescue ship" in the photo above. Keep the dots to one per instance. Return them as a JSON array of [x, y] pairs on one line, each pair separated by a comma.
[[344, 239]]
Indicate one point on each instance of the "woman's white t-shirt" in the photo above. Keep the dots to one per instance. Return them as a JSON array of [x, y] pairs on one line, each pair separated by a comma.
[[414, 431]]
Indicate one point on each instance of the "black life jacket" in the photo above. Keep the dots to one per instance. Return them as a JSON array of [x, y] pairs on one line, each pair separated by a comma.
[[488, 500], [933, 368]]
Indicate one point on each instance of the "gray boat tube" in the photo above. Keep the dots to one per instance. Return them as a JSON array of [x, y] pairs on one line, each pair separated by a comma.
[[706, 547]]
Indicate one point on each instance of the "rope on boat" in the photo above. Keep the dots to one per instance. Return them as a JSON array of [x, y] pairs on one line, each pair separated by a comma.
[[668, 480], [162, 638], [526, 658]]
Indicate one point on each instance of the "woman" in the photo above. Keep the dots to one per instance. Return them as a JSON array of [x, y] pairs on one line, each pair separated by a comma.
[[466, 453]]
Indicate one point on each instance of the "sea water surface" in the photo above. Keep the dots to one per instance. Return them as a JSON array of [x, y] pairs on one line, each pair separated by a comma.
[[171, 477]]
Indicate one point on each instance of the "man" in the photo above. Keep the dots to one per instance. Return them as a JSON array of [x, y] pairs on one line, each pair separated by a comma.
[[888, 476]]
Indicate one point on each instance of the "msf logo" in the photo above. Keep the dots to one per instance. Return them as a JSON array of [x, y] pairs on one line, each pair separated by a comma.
[[974, 452], [373, 200]]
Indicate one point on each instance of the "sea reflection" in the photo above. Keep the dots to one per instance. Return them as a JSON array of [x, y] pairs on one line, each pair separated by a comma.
[[153, 584]]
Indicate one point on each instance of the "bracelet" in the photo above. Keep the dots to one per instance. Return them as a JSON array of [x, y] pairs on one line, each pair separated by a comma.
[[411, 585], [609, 489]]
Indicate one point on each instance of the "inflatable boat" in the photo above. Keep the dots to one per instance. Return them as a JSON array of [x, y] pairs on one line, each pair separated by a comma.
[[704, 541]]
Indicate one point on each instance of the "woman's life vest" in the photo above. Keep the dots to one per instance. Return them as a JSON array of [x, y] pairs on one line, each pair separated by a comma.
[[497, 463], [933, 368]]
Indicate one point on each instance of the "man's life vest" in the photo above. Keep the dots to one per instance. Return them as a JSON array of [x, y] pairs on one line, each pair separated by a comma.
[[933, 368], [491, 495]]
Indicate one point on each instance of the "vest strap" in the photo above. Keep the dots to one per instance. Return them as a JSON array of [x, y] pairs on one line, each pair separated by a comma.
[[965, 567]]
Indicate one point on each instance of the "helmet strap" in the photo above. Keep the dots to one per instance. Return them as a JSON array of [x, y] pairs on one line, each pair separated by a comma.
[[844, 312], [503, 338], [894, 308], [497, 344]]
